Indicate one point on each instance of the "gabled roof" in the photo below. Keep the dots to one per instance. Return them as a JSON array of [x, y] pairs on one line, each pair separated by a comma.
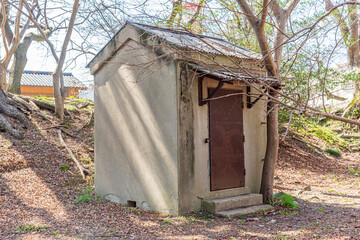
[[44, 79], [198, 42], [188, 40]]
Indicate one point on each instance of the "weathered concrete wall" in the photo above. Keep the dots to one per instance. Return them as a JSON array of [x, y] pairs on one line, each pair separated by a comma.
[[255, 144], [186, 153], [136, 129]]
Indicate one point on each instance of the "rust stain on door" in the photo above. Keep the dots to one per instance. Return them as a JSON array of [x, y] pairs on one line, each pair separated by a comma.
[[227, 168]]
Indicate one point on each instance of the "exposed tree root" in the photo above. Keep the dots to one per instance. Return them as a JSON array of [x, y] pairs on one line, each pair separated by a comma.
[[6, 126], [43, 105], [9, 107], [9, 110], [82, 170], [16, 107]]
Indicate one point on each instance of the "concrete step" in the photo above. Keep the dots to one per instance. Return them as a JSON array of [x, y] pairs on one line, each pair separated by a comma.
[[245, 211], [223, 204]]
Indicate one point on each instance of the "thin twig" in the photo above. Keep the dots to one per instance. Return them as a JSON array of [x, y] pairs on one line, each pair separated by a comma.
[[288, 127]]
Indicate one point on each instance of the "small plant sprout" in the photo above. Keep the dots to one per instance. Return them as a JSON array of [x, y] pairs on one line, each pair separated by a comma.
[[289, 213], [64, 167], [30, 228], [355, 172], [85, 196]]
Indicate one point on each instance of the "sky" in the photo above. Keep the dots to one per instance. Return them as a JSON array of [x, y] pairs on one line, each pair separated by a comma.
[[39, 59]]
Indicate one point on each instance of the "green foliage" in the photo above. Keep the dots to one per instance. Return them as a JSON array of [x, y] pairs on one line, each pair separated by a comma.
[[200, 216], [86, 196], [289, 213], [333, 152], [354, 171], [64, 167], [284, 200], [354, 108], [45, 99], [327, 135], [86, 160], [308, 127], [30, 228]]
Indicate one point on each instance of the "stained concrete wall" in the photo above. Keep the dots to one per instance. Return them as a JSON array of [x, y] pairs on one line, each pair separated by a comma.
[[136, 129], [150, 130], [198, 187]]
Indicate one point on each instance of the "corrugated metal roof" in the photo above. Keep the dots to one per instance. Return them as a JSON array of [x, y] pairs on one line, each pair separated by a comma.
[[230, 76], [198, 42], [44, 79]]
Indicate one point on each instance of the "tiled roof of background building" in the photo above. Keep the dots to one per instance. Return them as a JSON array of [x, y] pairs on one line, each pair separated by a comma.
[[44, 79]]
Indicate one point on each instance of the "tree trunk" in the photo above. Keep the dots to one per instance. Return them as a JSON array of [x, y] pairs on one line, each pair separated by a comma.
[[354, 47], [272, 64], [59, 98], [58, 78], [3, 71], [18, 65], [267, 180]]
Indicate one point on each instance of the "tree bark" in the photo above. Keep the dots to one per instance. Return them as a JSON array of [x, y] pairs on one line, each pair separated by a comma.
[[18, 65], [6, 109], [354, 47], [3, 71], [272, 147], [273, 68], [58, 80]]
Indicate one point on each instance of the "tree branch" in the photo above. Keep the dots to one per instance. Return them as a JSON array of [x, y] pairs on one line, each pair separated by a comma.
[[264, 13], [196, 14], [290, 6]]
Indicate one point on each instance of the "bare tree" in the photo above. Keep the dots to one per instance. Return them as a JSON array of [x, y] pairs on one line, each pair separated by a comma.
[[58, 81], [350, 32]]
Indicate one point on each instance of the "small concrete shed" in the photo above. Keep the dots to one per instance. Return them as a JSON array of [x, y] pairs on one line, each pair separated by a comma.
[[180, 122]]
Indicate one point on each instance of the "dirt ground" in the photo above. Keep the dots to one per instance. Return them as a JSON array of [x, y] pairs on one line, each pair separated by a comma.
[[39, 186]]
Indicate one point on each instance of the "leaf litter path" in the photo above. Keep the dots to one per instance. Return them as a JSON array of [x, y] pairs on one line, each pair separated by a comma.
[[37, 197]]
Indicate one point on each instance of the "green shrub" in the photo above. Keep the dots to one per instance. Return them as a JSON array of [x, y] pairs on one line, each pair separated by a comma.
[[285, 200], [333, 152]]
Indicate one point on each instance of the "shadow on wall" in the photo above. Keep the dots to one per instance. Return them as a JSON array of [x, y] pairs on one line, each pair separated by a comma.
[[136, 139]]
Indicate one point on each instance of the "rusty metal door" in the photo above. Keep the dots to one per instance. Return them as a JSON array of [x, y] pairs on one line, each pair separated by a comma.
[[227, 168]]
